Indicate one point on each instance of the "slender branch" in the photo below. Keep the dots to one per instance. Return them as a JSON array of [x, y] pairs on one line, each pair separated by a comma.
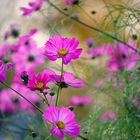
[[57, 97], [46, 100], [59, 87], [47, 138], [91, 27], [83, 138], [22, 96]]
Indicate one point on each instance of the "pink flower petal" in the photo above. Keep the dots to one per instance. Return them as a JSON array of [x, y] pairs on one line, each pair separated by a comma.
[[72, 129], [51, 114], [57, 132], [65, 115]]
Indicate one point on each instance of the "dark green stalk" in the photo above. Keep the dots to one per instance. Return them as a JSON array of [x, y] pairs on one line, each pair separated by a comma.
[[59, 87], [46, 100]]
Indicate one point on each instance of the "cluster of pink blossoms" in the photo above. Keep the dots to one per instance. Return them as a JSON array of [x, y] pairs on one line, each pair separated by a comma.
[[119, 55], [63, 119], [22, 55], [26, 58]]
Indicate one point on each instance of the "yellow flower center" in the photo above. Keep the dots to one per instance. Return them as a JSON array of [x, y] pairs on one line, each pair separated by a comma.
[[62, 51], [60, 124], [40, 85]]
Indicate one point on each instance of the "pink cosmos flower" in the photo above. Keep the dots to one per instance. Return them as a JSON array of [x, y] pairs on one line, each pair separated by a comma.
[[65, 48], [11, 102], [4, 49], [39, 81], [136, 102], [81, 100], [21, 78], [25, 40], [100, 50], [69, 2], [3, 68], [67, 79], [33, 6], [14, 31], [27, 58], [120, 56], [63, 121], [6, 104], [26, 92], [109, 115], [123, 57]]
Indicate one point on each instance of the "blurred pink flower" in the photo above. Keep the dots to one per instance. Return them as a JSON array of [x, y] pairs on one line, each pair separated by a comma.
[[65, 48], [109, 115], [69, 2], [99, 83], [3, 68], [39, 81], [136, 102], [19, 77], [81, 100], [90, 42], [100, 50], [4, 49], [11, 101], [123, 57], [67, 79], [120, 56], [22, 103], [63, 121], [6, 103], [14, 31], [27, 58], [33, 6], [25, 40]]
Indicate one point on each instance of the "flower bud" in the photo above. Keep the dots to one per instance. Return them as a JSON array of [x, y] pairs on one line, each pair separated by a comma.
[[45, 92], [15, 100], [5, 60], [65, 9], [15, 33], [76, 2], [62, 85], [134, 37], [34, 134], [71, 108], [25, 77], [52, 93]]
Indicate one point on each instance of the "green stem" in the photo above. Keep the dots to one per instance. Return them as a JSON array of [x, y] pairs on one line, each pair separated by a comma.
[[48, 137], [46, 100], [59, 87], [22, 96], [83, 138], [57, 97]]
